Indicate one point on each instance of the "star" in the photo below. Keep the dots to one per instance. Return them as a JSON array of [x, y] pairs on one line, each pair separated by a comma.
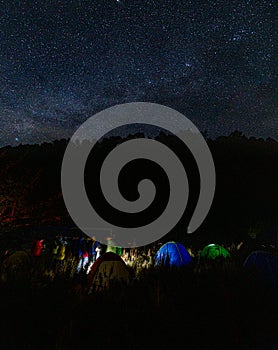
[[61, 64]]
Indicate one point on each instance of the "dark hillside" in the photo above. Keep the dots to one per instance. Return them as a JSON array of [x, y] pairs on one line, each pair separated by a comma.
[[245, 199]]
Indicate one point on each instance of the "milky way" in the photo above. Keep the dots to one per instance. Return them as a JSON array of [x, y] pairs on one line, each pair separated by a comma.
[[63, 61]]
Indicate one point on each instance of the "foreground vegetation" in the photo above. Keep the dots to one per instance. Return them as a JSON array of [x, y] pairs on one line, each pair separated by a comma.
[[207, 305]]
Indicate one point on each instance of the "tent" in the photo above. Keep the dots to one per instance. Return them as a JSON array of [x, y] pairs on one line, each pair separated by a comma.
[[16, 266], [214, 251], [109, 267], [114, 249], [264, 266], [172, 253]]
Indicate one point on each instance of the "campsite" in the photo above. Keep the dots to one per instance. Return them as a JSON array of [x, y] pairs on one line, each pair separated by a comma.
[[216, 289], [163, 296], [138, 175]]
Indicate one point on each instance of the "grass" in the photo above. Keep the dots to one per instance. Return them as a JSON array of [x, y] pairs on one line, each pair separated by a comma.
[[214, 305]]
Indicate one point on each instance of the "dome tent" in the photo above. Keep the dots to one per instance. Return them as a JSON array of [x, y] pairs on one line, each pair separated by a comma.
[[264, 265], [116, 250], [172, 253], [214, 251], [113, 249], [109, 267]]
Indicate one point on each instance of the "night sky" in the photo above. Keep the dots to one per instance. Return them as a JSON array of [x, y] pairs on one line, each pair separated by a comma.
[[63, 61]]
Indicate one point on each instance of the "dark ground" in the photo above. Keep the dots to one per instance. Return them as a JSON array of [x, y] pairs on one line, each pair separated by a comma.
[[202, 306]]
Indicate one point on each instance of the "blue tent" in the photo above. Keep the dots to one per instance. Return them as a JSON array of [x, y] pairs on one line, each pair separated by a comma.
[[264, 265], [172, 253]]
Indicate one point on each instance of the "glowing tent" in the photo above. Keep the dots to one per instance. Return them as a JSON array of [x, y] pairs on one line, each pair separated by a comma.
[[264, 266], [214, 251], [172, 253], [113, 249], [109, 267]]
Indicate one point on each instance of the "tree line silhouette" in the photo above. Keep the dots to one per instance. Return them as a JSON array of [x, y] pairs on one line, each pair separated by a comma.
[[245, 203]]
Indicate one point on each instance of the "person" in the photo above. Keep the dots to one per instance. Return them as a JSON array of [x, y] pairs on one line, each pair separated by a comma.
[[61, 253], [55, 247], [37, 247], [93, 252], [83, 262], [99, 250], [60, 256]]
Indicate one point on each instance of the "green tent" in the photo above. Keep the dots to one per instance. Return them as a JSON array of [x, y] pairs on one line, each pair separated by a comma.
[[113, 249], [213, 251], [116, 250]]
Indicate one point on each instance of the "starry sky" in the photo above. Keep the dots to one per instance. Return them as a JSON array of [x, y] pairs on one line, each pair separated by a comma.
[[61, 61]]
